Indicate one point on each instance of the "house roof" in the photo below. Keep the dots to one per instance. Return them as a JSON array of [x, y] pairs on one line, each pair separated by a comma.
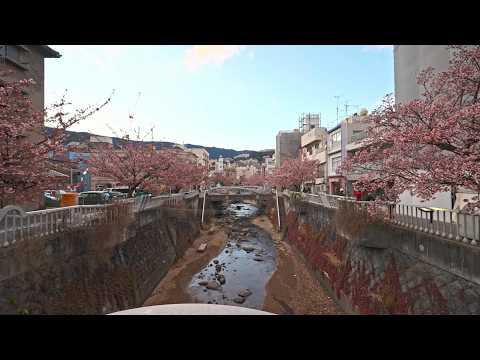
[[48, 52]]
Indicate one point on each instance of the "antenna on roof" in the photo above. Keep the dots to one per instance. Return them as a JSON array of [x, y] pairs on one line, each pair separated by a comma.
[[337, 97]]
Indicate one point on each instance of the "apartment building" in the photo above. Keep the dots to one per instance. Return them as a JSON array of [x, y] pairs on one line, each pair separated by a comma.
[[287, 146], [202, 156], [409, 60], [356, 134], [268, 165], [336, 182], [27, 62], [314, 147]]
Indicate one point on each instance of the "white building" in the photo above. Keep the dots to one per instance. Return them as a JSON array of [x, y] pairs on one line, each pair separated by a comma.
[[219, 165], [269, 163], [202, 155], [314, 147]]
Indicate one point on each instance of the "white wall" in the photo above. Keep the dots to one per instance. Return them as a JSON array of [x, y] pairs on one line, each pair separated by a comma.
[[442, 200]]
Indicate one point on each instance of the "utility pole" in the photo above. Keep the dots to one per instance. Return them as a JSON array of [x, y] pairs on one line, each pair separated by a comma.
[[337, 97]]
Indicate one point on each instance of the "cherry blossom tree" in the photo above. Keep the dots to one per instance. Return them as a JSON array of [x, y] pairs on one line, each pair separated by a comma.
[[293, 173], [26, 144], [256, 180], [429, 144], [136, 164], [184, 174]]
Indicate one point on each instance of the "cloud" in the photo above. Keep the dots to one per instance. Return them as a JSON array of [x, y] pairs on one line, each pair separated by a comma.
[[377, 48], [200, 55]]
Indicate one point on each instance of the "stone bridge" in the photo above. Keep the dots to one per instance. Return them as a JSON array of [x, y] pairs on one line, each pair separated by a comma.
[[220, 197]]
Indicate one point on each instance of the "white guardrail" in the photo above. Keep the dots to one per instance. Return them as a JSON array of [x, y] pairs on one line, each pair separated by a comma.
[[16, 224], [446, 223]]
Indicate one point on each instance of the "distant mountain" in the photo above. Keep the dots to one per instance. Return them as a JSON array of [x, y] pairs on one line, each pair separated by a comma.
[[213, 152]]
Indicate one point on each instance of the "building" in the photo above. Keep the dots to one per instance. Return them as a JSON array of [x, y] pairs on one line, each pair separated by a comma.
[[336, 182], [308, 121], [27, 62], [219, 165], [314, 147], [246, 171], [242, 156], [268, 165], [356, 133], [101, 139], [20, 62], [287, 146], [203, 158], [409, 60]]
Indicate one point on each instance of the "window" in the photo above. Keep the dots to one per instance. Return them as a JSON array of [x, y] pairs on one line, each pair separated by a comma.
[[14, 53], [336, 162], [335, 139]]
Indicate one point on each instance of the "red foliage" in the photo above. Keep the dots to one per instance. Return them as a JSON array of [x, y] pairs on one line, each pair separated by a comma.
[[367, 292]]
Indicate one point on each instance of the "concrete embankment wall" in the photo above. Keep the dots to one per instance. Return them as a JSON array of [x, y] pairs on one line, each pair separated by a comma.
[[96, 270], [373, 267]]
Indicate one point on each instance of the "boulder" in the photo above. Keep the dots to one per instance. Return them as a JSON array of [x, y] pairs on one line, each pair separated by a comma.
[[244, 293], [213, 285]]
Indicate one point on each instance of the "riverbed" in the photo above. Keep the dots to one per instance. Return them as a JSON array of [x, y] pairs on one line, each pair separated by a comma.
[[241, 261]]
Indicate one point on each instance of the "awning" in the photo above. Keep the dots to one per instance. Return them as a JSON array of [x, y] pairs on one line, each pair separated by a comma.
[[56, 174]]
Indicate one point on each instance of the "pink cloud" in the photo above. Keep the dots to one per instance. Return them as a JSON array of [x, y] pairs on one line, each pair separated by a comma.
[[199, 55]]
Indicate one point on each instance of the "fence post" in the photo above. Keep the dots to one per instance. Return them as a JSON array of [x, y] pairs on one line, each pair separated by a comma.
[[465, 240], [203, 205]]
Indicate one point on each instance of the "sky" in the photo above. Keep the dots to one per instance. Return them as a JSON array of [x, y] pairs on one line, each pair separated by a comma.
[[230, 96]]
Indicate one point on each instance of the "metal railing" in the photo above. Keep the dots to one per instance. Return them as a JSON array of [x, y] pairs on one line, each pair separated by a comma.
[[17, 225], [445, 223], [449, 224]]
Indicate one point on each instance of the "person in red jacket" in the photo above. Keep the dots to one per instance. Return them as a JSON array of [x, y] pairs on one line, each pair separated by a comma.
[[358, 195]]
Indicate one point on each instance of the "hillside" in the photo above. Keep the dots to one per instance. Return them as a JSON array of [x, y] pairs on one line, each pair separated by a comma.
[[214, 152]]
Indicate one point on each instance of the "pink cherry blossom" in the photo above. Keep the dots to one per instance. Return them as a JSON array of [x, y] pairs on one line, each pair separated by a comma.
[[429, 144]]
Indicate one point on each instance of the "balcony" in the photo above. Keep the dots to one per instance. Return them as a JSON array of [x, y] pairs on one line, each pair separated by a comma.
[[317, 154], [357, 140], [334, 147], [313, 135]]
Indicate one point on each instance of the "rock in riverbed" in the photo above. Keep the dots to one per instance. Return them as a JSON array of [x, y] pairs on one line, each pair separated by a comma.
[[239, 300], [248, 248], [203, 283], [244, 293], [202, 247], [215, 261], [213, 285]]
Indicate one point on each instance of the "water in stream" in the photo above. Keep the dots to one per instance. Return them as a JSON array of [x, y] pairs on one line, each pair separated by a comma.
[[239, 274]]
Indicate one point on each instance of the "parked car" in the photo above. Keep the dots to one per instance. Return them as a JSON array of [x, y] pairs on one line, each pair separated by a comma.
[[94, 198], [117, 194], [51, 199], [140, 193]]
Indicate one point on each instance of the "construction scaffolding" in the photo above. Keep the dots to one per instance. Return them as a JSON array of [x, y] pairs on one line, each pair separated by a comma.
[[308, 121]]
